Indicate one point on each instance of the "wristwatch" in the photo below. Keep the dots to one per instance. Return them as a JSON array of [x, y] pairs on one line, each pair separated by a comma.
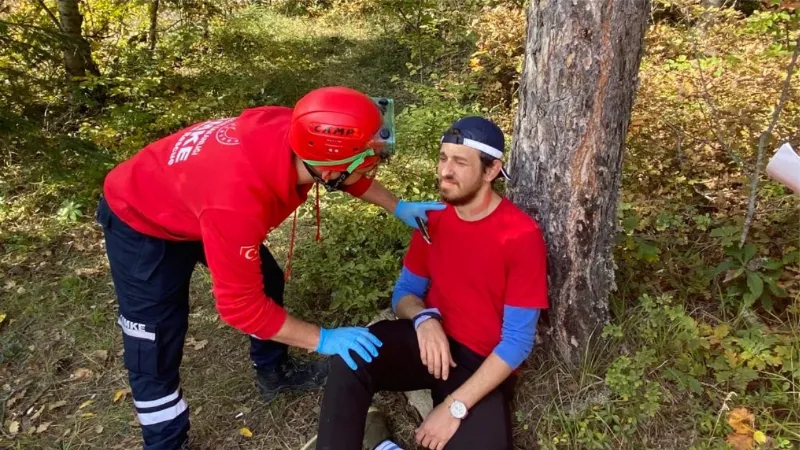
[[457, 409]]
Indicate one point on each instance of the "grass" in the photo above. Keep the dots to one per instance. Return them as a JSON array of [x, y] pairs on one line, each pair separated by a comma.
[[55, 287], [60, 350], [61, 315]]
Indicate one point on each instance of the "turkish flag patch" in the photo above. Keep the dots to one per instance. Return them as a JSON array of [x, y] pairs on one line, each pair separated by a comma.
[[250, 252]]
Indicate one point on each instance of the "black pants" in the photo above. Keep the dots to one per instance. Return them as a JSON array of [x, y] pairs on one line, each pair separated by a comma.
[[398, 367], [151, 279]]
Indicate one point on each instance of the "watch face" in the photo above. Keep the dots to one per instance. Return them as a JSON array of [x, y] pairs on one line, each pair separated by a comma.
[[458, 410]]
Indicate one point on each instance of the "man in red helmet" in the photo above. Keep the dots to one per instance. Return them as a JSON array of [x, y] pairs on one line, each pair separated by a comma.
[[211, 193]]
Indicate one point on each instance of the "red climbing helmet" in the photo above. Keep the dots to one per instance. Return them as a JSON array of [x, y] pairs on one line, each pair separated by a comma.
[[337, 128]]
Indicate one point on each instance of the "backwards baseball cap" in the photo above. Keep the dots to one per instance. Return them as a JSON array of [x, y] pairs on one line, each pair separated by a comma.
[[478, 133]]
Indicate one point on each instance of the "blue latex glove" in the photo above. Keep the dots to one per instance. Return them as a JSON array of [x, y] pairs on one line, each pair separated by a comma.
[[340, 341], [408, 211]]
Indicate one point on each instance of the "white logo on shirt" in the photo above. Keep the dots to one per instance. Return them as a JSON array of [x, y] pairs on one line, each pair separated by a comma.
[[225, 134], [191, 142], [250, 252]]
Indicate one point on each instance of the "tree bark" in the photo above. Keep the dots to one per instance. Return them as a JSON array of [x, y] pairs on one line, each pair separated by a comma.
[[77, 53], [577, 90], [151, 40]]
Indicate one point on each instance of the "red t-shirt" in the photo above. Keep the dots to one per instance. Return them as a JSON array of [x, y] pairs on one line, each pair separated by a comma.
[[227, 183], [477, 268]]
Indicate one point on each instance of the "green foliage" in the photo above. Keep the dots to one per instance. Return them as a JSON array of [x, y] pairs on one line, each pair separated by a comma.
[[699, 323], [669, 356], [69, 211], [752, 279], [352, 271]]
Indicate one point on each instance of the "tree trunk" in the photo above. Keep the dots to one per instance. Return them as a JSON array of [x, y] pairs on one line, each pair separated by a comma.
[[77, 53], [576, 94], [151, 40]]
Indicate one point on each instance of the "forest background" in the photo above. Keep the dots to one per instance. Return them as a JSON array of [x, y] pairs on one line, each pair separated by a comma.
[[703, 349]]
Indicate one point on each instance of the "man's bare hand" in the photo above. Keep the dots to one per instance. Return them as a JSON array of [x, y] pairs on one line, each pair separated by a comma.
[[434, 349], [437, 429]]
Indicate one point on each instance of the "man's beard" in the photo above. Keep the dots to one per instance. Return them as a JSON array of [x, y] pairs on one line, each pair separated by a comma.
[[465, 196]]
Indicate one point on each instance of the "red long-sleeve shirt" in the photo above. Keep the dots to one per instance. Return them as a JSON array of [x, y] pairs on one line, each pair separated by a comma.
[[227, 183]]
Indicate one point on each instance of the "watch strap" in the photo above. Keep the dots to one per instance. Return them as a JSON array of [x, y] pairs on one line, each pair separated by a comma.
[[425, 314]]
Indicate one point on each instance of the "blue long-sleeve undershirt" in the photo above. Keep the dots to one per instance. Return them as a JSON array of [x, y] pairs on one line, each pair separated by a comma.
[[519, 324], [408, 283], [519, 330]]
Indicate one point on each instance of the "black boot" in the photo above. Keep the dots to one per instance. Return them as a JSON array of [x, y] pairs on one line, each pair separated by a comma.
[[291, 375]]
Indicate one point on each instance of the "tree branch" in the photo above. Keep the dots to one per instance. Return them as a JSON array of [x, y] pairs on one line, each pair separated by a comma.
[[718, 132], [50, 13], [33, 27], [762, 141]]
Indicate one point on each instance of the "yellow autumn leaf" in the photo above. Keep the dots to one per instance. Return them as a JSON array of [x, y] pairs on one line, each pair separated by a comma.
[[740, 441], [43, 427], [85, 404], [741, 420], [760, 437], [246, 432], [722, 331], [2, 317], [120, 394]]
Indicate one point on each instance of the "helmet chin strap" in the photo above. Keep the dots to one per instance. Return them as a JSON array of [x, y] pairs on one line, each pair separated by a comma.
[[335, 184]]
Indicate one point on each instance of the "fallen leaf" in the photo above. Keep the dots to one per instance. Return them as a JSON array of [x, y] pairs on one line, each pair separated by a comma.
[[66, 433], [85, 404], [57, 404], [197, 410], [43, 427], [84, 415], [37, 414], [81, 374], [740, 441], [760, 437], [102, 355], [246, 432], [17, 397], [13, 427], [3, 317], [120, 394], [197, 345], [98, 429], [742, 421]]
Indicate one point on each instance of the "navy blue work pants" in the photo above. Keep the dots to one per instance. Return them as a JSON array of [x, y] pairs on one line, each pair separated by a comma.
[[151, 278]]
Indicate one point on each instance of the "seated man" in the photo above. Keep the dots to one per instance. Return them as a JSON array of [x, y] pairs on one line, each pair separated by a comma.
[[468, 302]]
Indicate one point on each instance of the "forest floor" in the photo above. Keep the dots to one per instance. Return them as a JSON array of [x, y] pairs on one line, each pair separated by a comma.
[[63, 382], [673, 368]]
